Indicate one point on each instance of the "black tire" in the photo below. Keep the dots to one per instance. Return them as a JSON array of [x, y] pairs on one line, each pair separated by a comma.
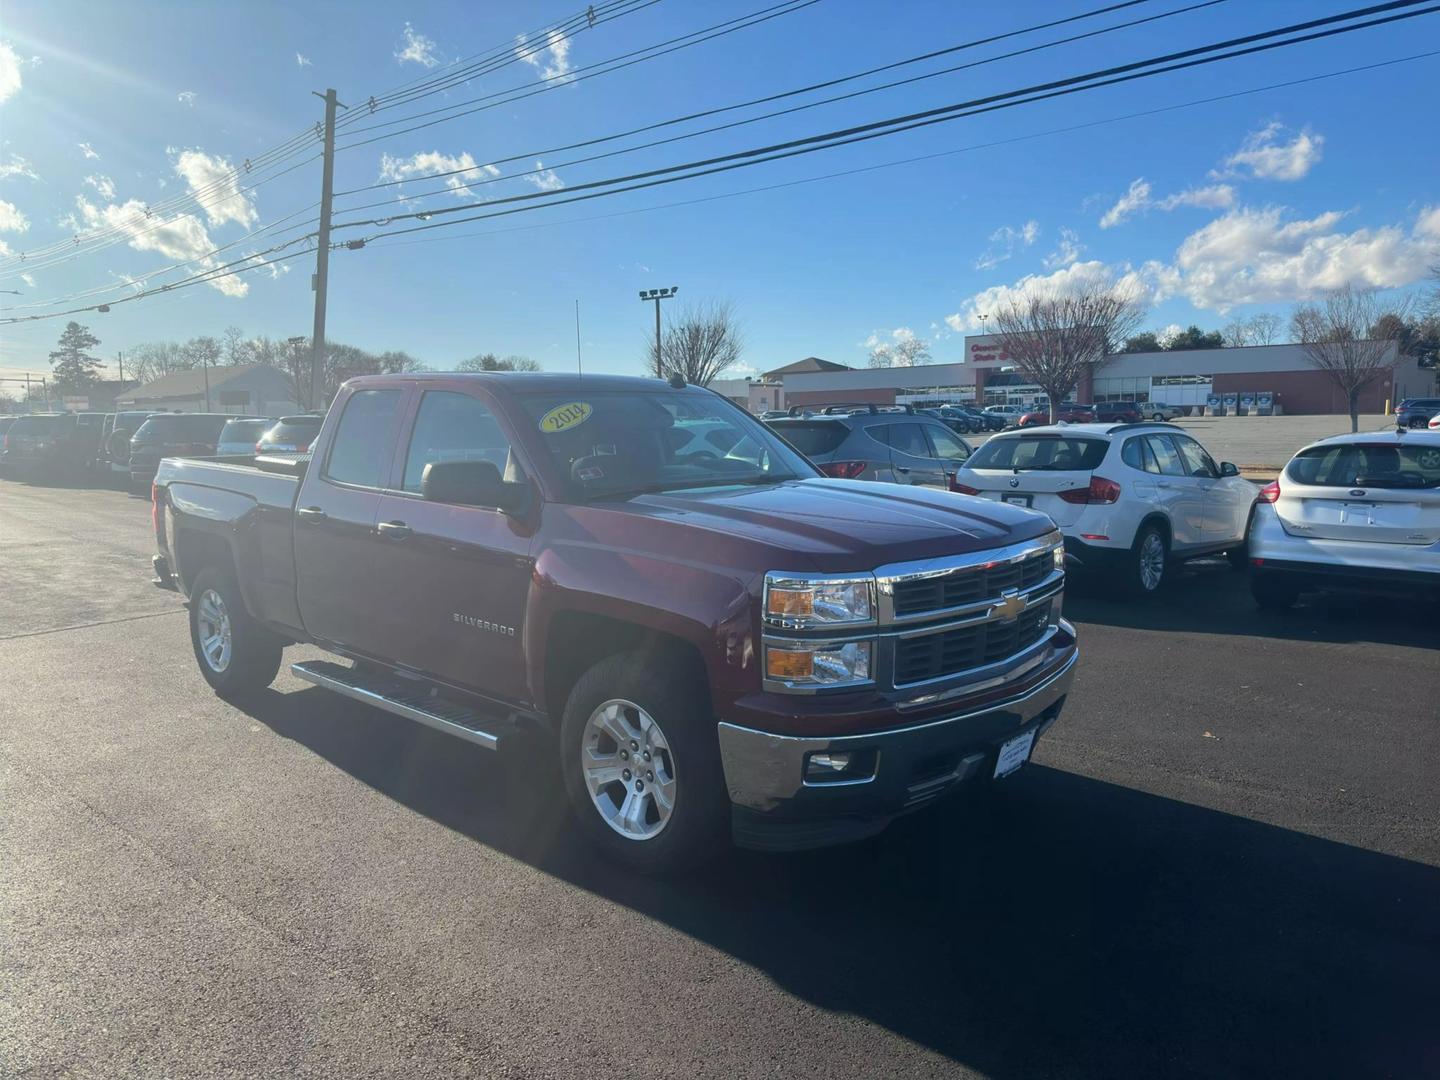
[[1273, 593], [1240, 556], [1159, 418], [673, 695], [254, 652], [1134, 579]]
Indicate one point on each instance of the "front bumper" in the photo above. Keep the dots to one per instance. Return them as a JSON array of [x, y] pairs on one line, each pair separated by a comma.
[[775, 808]]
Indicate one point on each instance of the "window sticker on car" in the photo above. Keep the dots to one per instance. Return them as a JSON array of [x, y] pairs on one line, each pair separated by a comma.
[[564, 417]]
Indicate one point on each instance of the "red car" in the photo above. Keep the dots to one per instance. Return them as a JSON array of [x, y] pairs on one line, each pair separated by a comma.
[[1118, 412], [1067, 414]]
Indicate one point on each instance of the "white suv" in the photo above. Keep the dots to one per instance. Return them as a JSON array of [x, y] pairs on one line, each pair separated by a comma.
[[1354, 511], [1130, 498]]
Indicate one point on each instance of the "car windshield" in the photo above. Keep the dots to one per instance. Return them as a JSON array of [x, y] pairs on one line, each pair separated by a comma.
[[293, 428], [1372, 465], [607, 444], [36, 425], [1054, 453]]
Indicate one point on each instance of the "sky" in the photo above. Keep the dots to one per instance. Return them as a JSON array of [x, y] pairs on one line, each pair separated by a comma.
[[1208, 210]]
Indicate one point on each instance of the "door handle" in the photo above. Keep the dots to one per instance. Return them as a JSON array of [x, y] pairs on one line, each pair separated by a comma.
[[311, 513], [395, 530], [901, 469], [1162, 483]]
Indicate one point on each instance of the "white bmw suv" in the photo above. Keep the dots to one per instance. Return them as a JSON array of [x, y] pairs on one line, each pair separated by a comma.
[[1130, 498], [1355, 511]]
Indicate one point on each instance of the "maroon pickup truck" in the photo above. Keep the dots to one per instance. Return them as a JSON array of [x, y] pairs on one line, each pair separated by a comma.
[[721, 642]]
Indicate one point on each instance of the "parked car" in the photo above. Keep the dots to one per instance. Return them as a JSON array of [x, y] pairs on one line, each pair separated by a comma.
[[241, 433], [1416, 412], [5, 422], [1065, 414], [289, 435], [978, 422], [115, 447], [869, 442], [45, 446], [1357, 511], [1131, 499], [1118, 412], [730, 649], [1434, 424], [1159, 411], [166, 434], [89, 439]]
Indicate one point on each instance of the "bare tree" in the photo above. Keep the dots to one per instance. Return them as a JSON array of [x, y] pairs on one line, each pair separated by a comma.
[[491, 362], [153, 360], [237, 348], [698, 345], [906, 351], [1340, 338], [1056, 336], [1264, 328], [1236, 333]]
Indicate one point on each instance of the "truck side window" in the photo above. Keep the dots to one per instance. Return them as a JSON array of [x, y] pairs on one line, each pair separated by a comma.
[[360, 453], [456, 427]]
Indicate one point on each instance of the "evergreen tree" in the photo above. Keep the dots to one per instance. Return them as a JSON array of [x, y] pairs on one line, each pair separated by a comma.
[[75, 369]]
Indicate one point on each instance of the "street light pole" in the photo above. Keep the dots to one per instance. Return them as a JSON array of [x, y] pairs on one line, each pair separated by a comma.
[[657, 295]]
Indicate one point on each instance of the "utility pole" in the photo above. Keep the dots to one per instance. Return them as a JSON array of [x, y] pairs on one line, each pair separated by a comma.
[[657, 295], [120, 359], [205, 367], [322, 255]]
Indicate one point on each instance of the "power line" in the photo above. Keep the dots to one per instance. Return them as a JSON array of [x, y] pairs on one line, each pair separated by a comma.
[[1065, 130], [411, 196], [581, 74], [893, 125]]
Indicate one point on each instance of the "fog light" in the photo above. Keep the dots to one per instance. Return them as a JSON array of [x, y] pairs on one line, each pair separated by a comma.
[[840, 767]]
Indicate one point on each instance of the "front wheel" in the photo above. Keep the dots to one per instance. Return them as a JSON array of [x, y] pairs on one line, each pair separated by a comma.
[[641, 763], [236, 655]]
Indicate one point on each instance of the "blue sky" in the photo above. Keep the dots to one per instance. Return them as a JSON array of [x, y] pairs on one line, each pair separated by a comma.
[[1210, 212]]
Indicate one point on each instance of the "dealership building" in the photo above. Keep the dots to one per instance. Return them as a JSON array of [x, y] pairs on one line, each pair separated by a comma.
[[1190, 377]]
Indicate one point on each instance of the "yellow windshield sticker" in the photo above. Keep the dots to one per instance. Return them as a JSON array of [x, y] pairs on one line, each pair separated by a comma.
[[564, 417]]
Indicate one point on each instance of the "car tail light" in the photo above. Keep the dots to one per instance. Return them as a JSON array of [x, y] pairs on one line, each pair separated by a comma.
[[1099, 490], [843, 470], [304, 447], [1270, 492], [962, 489], [258, 450]]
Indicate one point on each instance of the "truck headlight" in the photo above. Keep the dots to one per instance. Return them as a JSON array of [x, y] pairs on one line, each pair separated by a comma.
[[799, 602], [818, 664]]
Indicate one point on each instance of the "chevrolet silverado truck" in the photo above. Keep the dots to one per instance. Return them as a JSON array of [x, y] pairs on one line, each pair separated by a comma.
[[722, 643]]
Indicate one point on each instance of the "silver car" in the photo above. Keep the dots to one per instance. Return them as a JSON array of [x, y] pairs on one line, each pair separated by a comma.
[[874, 442], [240, 435]]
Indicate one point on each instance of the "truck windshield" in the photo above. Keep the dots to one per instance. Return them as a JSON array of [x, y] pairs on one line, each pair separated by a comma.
[[608, 444]]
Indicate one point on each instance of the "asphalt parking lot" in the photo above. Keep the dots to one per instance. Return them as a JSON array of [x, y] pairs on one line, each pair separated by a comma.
[[1225, 860]]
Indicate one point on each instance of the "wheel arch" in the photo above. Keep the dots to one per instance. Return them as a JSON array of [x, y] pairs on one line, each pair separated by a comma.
[[575, 641], [1159, 520]]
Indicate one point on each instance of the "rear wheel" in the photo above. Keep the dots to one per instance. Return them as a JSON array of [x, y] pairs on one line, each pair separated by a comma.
[[1159, 418], [642, 764], [1273, 593], [236, 655], [1144, 572]]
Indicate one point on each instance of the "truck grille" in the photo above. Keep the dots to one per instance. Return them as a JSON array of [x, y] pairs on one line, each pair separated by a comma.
[[932, 656], [969, 585]]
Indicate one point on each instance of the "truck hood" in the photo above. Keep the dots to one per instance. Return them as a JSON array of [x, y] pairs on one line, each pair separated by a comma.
[[825, 526]]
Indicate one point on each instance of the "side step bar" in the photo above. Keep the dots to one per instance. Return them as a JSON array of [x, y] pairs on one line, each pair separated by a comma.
[[411, 702]]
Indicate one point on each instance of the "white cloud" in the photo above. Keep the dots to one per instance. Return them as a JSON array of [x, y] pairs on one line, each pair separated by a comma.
[[545, 179], [186, 97], [302, 60], [1067, 249], [432, 162], [10, 65], [11, 219], [88, 151], [1211, 197], [1272, 154], [551, 60], [1006, 241], [5, 249], [418, 49], [1164, 337], [17, 166], [1143, 284], [217, 185], [180, 239], [29, 279], [1256, 256], [1133, 201], [104, 185]]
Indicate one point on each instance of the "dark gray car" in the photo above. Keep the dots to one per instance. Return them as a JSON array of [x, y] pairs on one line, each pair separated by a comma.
[[869, 442]]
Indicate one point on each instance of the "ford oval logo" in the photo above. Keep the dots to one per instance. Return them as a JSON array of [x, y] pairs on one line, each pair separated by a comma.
[[1015, 482], [1357, 491]]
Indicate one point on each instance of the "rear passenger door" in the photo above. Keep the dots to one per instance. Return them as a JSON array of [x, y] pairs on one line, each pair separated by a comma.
[[911, 456], [1181, 495]]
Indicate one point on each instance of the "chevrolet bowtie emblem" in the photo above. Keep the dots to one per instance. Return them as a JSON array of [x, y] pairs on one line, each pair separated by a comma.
[[1011, 606]]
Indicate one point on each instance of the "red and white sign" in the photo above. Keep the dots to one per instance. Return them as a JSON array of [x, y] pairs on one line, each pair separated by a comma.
[[986, 349]]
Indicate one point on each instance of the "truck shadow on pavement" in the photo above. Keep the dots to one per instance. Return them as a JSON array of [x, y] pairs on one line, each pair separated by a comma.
[[1061, 925], [1207, 597]]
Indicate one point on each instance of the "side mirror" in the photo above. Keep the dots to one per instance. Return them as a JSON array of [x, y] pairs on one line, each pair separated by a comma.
[[1226, 469], [470, 483]]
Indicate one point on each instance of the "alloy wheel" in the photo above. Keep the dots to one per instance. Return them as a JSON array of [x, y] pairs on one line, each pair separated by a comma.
[[1152, 561], [213, 623], [628, 769]]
